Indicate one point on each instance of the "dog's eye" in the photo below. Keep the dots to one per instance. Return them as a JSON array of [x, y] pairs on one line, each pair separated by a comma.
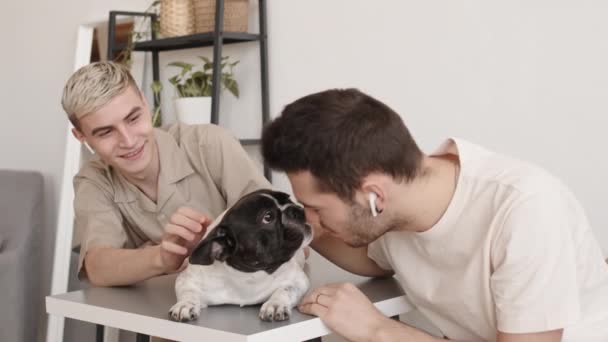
[[268, 217]]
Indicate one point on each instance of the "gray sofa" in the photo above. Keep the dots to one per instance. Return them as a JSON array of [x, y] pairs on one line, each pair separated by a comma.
[[21, 222]]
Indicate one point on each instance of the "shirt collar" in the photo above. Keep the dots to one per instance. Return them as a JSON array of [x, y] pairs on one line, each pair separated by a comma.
[[174, 165]]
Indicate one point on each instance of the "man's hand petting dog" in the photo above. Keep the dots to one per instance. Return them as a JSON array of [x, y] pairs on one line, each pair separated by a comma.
[[183, 232]]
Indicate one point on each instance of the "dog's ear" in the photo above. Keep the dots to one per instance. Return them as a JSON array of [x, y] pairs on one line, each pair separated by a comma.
[[218, 245], [282, 197]]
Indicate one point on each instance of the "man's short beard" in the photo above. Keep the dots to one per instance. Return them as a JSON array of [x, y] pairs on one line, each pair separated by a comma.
[[362, 227]]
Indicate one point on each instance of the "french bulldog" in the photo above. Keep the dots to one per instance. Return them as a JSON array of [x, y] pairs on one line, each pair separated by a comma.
[[252, 253]]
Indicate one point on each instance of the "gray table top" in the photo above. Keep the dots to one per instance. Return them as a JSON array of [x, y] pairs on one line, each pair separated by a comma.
[[144, 308]]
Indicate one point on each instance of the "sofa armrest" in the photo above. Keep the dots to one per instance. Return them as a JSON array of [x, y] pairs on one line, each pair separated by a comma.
[[21, 209], [21, 276]]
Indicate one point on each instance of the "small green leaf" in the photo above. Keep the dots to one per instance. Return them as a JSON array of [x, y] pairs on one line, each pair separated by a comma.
[[174, 80], [157, 86], [156, 118], [232, 86], [205, 59], [182, 65], [186, 67]]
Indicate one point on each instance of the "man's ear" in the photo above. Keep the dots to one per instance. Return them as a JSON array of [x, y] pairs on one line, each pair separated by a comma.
[[218, 245], [78, 134], [373, 186]]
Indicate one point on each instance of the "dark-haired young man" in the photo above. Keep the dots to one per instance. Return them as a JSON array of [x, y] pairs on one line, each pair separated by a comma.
[[488, 247]]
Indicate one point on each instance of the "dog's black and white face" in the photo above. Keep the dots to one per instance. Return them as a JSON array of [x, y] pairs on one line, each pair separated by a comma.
[[260, 232]]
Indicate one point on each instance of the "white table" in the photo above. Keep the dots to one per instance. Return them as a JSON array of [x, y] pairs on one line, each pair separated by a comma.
[[144, 309]]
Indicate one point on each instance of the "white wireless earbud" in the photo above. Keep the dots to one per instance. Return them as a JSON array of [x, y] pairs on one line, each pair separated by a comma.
[[372, 203], [88, 147]]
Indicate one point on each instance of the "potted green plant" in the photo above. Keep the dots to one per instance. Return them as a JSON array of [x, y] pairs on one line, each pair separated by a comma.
[[194, 87]]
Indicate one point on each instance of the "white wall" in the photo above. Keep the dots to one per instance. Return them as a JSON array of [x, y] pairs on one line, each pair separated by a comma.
[[528, 78]]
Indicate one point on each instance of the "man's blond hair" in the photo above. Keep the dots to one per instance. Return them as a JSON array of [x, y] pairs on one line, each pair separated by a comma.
[[93, 86]]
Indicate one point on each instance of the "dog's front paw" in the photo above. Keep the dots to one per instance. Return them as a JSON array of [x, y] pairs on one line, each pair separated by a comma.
[[274, 310], [185, 311]]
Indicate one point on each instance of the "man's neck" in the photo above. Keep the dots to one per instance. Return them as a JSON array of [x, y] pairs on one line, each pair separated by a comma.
[[427, 198]]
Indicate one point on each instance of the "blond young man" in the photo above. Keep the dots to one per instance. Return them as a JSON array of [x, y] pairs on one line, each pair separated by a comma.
[[488, 247], [145, 187]]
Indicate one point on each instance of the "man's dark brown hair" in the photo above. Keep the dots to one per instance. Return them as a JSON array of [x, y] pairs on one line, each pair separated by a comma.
[[340, 136]]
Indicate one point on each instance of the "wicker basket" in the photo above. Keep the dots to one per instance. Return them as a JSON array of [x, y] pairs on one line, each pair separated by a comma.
[[235, 15], [176, 18]]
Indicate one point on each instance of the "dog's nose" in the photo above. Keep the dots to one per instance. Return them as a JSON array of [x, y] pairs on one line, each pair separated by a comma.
[[295, 212]]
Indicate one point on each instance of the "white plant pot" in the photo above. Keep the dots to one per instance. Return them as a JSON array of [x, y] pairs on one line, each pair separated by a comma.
[[193, 110]]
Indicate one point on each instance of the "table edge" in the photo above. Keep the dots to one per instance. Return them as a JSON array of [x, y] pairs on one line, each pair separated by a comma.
[[186, 332]]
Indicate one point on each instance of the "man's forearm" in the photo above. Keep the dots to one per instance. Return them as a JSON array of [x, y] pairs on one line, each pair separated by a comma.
[[390, 330], [351, 259], [117, 266]]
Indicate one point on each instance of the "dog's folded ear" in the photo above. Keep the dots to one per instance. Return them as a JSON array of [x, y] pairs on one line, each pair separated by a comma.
[[282, 197], [218, 245]]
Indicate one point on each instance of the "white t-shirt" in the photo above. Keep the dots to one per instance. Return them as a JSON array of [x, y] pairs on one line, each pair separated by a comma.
[[513, 252]]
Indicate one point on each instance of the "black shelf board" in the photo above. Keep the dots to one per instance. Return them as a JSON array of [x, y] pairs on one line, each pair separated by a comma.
[[191, 41], [250, 142]]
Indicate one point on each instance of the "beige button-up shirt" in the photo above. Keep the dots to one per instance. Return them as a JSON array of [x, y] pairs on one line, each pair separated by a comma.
[[202, 167]]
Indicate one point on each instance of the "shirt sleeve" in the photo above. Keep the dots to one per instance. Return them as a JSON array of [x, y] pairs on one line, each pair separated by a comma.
[[377, 252], [534, 282], [98, 218], [232, 170]]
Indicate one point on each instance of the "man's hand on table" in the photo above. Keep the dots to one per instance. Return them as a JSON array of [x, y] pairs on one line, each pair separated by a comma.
[[345, 310], [183, 232]]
